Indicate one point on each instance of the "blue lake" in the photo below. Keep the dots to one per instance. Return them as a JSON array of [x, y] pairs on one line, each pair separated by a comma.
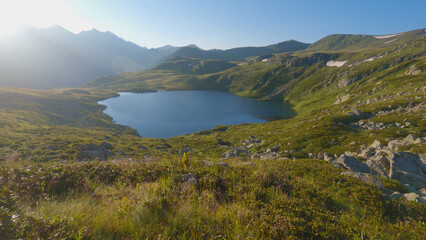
[[166, 114]]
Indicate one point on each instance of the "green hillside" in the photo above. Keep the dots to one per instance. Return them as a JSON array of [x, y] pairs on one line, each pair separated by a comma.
[[239, 54], [348, 165], [356, 42]]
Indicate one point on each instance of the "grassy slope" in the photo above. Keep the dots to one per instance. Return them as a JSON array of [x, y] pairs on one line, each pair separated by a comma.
[[301, 199]]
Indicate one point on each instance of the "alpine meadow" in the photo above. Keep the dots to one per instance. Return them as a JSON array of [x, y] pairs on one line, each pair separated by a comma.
[[344, 157]]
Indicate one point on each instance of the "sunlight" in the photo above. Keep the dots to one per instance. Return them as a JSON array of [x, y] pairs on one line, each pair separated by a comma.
[[41, 13]]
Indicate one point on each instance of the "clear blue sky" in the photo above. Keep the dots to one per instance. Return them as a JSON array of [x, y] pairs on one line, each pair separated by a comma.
[[233, 23]]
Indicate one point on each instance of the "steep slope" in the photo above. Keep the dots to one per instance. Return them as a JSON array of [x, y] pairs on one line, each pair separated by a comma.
[[239, 54], [55, 57]]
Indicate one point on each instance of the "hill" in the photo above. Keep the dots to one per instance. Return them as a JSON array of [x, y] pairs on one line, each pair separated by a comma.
[[357, 42], [239, 54], [349, 165], [55, 57]]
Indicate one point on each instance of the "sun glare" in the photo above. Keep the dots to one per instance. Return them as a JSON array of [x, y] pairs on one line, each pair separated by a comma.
[[40, 13]]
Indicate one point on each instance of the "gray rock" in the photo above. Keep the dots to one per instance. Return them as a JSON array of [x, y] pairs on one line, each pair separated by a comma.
[[351, 163], [357, 114], [233, 153], [368, 152], [376, 144], [412, 197], [273, 149]]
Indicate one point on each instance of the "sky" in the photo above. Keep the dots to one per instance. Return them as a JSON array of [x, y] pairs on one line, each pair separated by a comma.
[[218, 24]]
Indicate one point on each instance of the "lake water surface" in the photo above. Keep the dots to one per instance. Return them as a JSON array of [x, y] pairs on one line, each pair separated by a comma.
[[166, 114]]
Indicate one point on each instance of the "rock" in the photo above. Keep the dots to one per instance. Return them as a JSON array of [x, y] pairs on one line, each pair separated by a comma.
[[186, 149], [351, 163], [273, 149], [233, 153], [411, 139], [325, 156], [341, 99], [412, 197], [221, 164], [221, 142], [357, 114], [367, 153], [413, 70], [409, 168], [367, 178], [376, 144], [423, 191]]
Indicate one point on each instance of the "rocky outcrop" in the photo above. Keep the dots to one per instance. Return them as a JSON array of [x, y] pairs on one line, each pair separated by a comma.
[[387, 162], [350, 163], [413, 71], [368, 125], [233, 153], [251, 142], [357, 114]]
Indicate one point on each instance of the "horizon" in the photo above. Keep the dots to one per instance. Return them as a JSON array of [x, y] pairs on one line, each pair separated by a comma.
[[218, 25], [195, 45]]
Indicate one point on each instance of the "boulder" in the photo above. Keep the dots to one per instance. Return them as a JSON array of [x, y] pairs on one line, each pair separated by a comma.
[[350, 163], [233, 153], [412, 197]]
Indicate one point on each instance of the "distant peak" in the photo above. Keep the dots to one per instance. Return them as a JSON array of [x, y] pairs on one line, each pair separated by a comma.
[[193, 46]]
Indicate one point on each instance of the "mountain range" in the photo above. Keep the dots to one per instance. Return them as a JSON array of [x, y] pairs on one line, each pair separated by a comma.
[[53, 57]]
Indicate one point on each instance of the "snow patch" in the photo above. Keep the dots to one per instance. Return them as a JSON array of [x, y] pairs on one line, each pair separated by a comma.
[[336, 63], [373, 58], [386, 36]]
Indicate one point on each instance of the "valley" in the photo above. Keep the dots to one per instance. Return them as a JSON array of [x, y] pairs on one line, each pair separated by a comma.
[[350, 163]]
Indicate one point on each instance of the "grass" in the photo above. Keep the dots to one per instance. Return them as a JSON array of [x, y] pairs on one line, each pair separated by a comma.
[[45, 193], [273, 199]]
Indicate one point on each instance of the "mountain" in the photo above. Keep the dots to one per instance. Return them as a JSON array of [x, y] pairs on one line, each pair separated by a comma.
[[337, 42], [193, 65], [349, 164], [239, 54], [55, 57]]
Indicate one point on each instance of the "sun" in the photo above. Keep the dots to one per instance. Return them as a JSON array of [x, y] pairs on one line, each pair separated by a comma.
[[37, 13]]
